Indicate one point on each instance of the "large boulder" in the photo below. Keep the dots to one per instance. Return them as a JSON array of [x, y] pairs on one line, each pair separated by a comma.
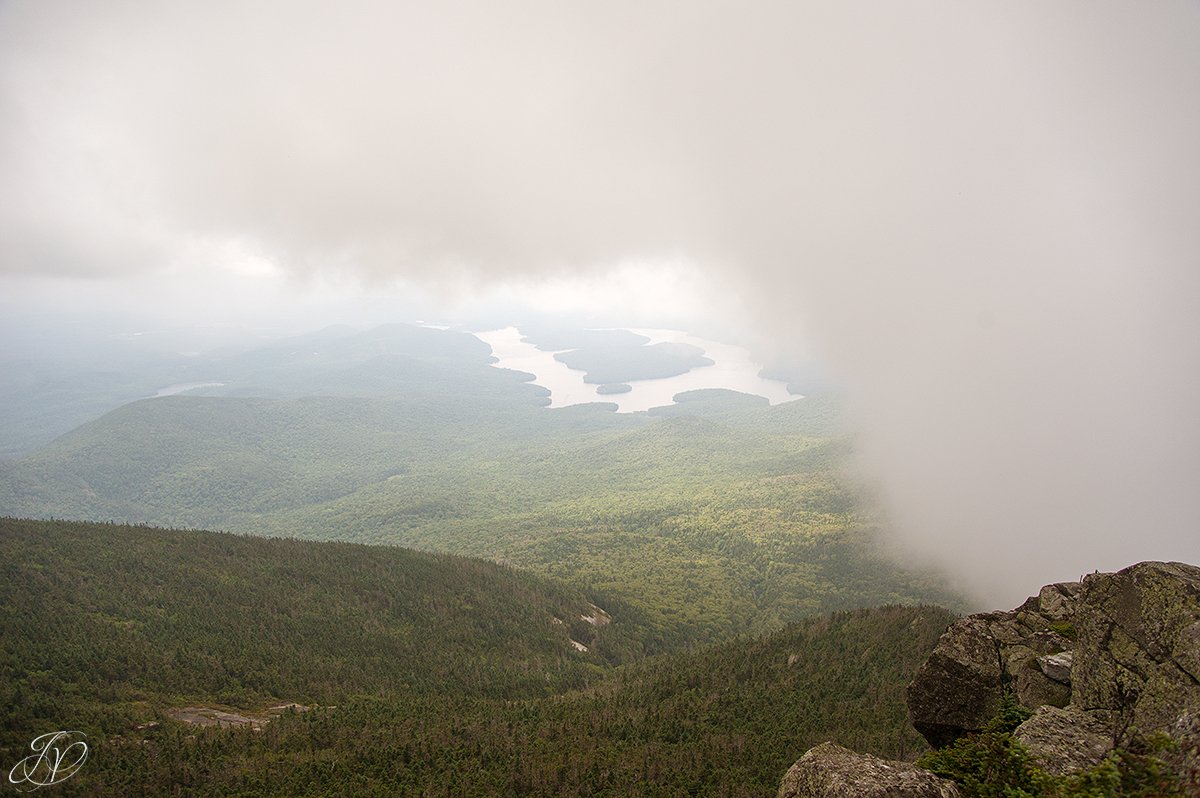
[[1138, 651], [959, 686], [830, 771]]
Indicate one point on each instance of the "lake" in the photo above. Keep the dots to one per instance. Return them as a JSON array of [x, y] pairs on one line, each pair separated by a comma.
[[734, 369], [183, 387]]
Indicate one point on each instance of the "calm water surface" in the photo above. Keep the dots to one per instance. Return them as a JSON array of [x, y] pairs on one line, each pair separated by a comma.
[[182, 387], [734, 369]]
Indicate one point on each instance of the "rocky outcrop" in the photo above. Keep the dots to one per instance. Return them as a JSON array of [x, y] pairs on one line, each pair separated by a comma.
[[1131, 670], [1107, 662], [1136, 655], [830, 771], [1137, 658], [1027, 650]]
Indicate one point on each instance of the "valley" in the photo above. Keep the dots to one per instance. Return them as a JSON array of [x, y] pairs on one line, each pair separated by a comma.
[[447, 575], [599, 400], [718, 515]]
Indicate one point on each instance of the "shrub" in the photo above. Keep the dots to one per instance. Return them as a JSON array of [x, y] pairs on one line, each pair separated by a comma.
[[994, 764]]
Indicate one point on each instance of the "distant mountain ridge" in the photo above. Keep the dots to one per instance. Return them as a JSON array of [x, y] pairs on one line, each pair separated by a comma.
[[46, 398]]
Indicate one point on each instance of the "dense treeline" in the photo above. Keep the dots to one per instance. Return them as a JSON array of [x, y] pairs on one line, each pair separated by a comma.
[[433, 675], [723, 721], [104, 625]]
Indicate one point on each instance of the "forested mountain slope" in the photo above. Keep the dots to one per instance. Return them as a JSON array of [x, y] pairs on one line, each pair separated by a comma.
[[433, 675], [106, 625], [714, 517]]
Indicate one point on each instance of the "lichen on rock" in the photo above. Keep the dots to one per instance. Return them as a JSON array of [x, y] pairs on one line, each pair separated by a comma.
[[1137, 644], [831, 771], [1109, 664], [1065, 740], [959, 687]]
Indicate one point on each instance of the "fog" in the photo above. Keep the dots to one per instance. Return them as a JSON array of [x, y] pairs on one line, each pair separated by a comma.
[[982, 218]]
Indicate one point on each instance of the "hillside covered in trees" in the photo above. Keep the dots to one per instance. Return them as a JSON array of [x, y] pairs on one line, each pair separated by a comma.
[[716, 516], [459, 589], [427, 674], [106, 624]]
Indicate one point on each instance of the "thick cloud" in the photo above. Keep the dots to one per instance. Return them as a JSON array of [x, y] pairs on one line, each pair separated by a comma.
[[985, 215]]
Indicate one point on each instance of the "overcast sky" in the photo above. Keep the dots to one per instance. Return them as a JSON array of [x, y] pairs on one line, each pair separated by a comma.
[[983, 216]]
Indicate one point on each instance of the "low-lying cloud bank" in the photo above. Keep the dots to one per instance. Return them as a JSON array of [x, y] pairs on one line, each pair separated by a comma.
[[986, 216]]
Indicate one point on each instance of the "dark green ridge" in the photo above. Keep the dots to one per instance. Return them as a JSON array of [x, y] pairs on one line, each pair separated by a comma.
[[432, 672]]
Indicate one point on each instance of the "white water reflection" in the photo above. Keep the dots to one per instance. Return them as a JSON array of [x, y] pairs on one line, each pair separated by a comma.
[[183, 387], [733, 369]]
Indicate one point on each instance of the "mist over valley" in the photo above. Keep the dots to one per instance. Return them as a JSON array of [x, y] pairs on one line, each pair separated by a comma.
[[574, 399]]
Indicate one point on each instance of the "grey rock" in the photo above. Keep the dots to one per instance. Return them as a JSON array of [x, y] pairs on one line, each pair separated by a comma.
[[959, 687], [1057, 602], [1187, 654], [1137, 644], [1057, 666], [1047, 642], [1131, 671], [830, 771], [1065, 740], [1185, 760], [1034, 689], [1016, 658]]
